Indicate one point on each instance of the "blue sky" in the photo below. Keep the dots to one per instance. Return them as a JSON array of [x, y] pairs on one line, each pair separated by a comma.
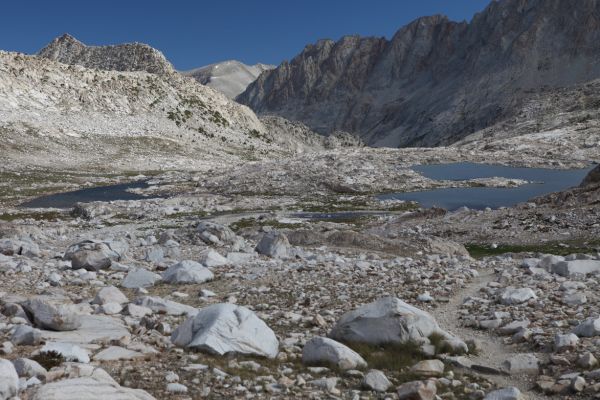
[[195, 33]]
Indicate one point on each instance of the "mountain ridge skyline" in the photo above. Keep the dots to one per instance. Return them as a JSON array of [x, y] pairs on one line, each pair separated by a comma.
[[196, 36], [436, 81]]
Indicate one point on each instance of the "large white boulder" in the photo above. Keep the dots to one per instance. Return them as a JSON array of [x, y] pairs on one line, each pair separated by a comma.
[[588, 328], [94, 328], [428, 368], [187, 272], [95, 255], [512, 296], [417, 390], [274, 244], [9, 380], [140, 278], [213, 233], [88, 388], [521, 364], [548, 261], [25, 335], [115, 353], [154, 254], [567, 341], [227, 328], [137, 312], [387, 320], [237, 258], [575, 267], [29, 368], [7, 263], [321, 350], [211, 258], [110, 294], [510, 393], [24, 247], [53, 314], [164, 306], [376, 380]]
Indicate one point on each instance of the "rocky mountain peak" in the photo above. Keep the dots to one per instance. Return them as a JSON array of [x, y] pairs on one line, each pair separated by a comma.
[[66, 38], [122, 57], [320, 44]]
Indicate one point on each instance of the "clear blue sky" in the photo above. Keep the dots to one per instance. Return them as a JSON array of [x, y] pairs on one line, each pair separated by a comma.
[[195, 33]]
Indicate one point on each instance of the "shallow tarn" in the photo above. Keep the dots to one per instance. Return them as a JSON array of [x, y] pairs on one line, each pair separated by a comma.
[[544, 181], [100, 193]]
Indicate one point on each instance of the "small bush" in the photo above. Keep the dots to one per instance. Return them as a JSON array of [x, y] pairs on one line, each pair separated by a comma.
[[49, 359], [392, 357]]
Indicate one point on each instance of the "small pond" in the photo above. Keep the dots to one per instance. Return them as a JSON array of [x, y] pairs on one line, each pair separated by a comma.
[[99, 193], [545, 181]]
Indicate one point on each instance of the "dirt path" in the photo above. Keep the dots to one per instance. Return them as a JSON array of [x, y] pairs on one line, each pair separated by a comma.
[[494, 350]]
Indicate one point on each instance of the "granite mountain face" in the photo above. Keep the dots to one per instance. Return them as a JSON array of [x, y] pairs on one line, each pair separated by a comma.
[[122, 57], [436, 81]]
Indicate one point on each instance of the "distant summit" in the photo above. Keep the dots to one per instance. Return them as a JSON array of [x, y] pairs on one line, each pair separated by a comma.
[[229, 77], [122, 57]]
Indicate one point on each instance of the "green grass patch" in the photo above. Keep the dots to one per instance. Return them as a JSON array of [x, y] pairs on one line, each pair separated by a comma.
[[242, 224], [272, 365], [257, 135], [165, 227], [187, 214], [252, 222], [357, 220], [390, 357], [273, 223], [408, 206], [557, 248], [38, 216], [334, 205], [330, 205]]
